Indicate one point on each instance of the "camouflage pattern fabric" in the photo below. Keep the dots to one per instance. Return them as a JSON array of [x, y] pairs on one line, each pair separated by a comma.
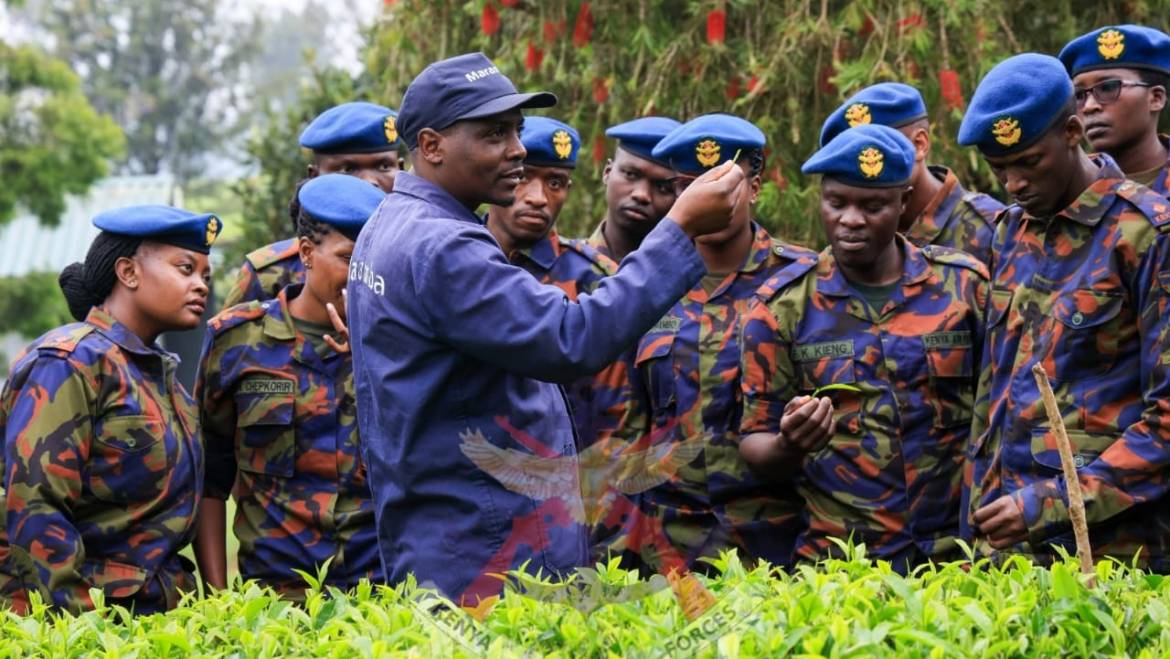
[[1161, 183], [266, 272], [957, 218], [690, 365], [280, 430], [597, 241], [102, 471], [891, 475], [1083, 293]]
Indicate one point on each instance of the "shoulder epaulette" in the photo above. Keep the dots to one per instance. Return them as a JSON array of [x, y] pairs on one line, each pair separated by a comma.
[[800, 262], [949, 256], [588, 251], [988, 207], [65, 338], [1154, 206], [270, 254], [237, 315]]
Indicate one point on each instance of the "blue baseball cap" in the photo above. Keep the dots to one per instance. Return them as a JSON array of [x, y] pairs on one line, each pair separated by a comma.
[[892, 104], [1118, 47], [550, 143], [352, 128], [1015, 104], [458, 88], [341, 201], [640, 136], [707, 141], [866, 156], [164, 224]]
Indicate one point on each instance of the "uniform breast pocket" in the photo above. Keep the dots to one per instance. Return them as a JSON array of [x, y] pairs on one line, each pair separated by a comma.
[[950, 363], [1085, 448], [1087, 333], [128, 461], [657, 368], [821, 364], [266, 436]]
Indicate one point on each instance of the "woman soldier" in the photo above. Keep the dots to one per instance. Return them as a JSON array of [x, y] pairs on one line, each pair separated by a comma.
[[277, 404], [102, 469]]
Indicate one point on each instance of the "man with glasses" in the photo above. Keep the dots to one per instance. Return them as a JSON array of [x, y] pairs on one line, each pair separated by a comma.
[[1121, 74]]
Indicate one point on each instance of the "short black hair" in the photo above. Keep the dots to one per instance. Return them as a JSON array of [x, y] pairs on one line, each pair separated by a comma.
[[755, 159]]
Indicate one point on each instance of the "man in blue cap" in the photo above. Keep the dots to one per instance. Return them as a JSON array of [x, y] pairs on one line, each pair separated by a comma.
[[940, 210], [901, 326], [638, 190], [1121, 75], [471, 453], [1081, 286], [359, 139]]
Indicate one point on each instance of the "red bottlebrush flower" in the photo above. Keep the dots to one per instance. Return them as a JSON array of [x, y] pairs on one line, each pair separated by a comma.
[[716, 26], [533, 58], [825, 80], [913, 69], [866, 27], [733, 88], [752, 83], [951, 89], [599, 149], [489, 21], [911, 23], [600, 90], [509, 3], [553, 31], [583, 28]]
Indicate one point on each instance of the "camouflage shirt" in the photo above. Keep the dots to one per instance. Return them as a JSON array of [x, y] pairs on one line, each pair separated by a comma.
[[1161, 183], [890, 477], [690, 364], [956, 218], [1084, 293], [102, 470], [280, 430], [266, 272]]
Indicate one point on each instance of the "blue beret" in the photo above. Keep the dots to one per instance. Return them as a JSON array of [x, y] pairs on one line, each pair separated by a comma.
[[706, 141], [1015, 104], [890, 104], [341, 201], [868, 156], [164, 224], [352, 128], [640, 136], [458, 88], [1118, 47], [550, 143]]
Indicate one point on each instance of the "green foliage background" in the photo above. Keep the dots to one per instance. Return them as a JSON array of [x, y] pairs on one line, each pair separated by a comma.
[[785, 64]]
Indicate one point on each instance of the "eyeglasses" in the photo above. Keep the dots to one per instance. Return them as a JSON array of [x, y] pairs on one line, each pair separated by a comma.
[[1106, 91]]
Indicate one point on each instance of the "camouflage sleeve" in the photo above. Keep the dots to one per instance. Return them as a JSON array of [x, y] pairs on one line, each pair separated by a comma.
[[768, 372], [1134, 469], [46, 444], [975, 471], [217, 422], [246, 287]]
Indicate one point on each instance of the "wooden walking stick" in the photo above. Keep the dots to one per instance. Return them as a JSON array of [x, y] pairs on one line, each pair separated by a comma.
[[1076, 503]]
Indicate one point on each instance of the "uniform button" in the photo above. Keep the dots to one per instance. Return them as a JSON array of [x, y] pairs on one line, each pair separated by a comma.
[[1078, 318], [130, 442], [1079, 460]]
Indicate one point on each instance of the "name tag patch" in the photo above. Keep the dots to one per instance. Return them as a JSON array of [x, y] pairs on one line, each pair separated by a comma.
[[269, 386], [826, 350], [669, 324], [942, 340]]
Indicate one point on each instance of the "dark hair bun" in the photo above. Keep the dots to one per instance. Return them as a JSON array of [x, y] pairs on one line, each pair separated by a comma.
[[78, 294]]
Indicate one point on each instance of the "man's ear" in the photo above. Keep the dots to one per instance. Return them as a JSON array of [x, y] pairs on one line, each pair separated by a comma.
[[906, 196], [430, 146], [605, 172], [1074, 131], [127, 272], [311, 170], [1157, 99], [921, 141]]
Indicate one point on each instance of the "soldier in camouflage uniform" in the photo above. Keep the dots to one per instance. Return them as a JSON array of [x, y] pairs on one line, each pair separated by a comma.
[[940, 210], [359, 139], [901, 326], [687, 368], [102, 469], [1080, 285], [1122, 75], [279, 421]]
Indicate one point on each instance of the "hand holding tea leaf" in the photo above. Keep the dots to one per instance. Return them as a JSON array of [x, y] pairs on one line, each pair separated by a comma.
[[807, 425]]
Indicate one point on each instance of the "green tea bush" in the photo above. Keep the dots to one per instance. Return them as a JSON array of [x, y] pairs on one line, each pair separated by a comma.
[[841, 608]]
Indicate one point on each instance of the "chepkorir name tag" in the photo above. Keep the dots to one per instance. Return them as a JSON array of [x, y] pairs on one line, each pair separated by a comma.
[[826, 350], [959, 339], [269, 386]]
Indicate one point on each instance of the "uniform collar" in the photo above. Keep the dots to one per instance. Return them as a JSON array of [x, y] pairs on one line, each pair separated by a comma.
[[121, 335], [758, 254], [1098, 198], [545, 252], [937, 214], [280, 326], [832, 282], [413, 185], [598, 242]]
